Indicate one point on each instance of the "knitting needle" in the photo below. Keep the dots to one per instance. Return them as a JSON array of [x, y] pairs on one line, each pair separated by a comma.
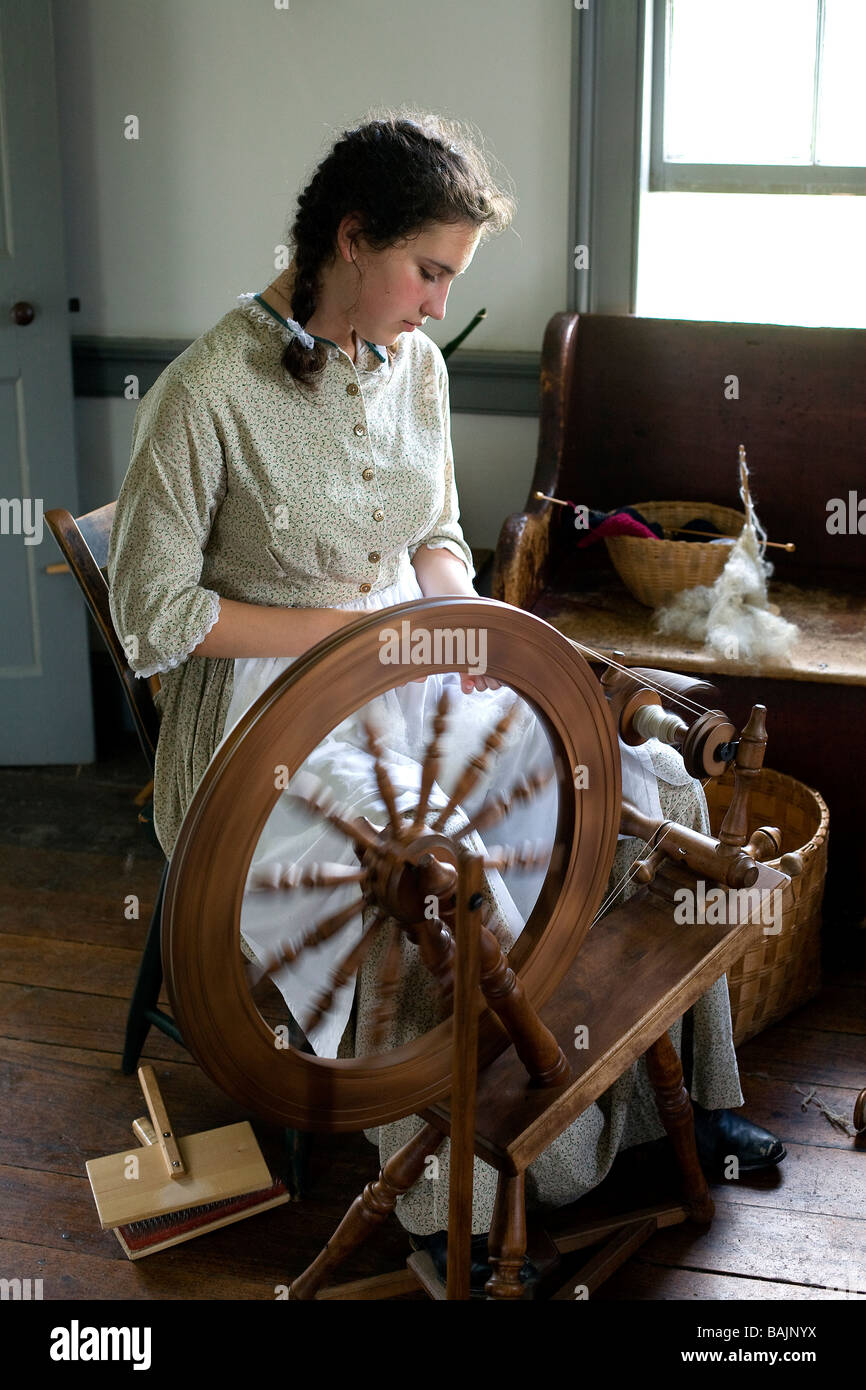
[[680, 530], [545, 496], [687, 530]]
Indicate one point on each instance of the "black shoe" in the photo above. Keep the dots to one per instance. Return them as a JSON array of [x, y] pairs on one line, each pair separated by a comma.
[[724, 1134], [480, 1269]]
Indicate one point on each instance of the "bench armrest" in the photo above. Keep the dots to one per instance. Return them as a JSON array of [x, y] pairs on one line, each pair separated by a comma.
[[521, 564]]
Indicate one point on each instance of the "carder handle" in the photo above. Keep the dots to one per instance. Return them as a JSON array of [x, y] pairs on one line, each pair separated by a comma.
[[161, 1123]]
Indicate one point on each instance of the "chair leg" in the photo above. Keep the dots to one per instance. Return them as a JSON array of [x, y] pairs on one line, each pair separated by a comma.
[[147, 986], [297, 1143], [676, 1114], [297, 1146]]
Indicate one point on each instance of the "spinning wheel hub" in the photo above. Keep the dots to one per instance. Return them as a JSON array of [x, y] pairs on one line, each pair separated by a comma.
[[407, 881]]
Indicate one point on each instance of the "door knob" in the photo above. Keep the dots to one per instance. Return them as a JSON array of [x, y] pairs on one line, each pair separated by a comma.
[[23, 313]]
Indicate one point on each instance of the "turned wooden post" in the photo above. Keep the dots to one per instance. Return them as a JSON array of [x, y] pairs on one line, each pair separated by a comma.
[[369, 1210], [734, 831], [533, 1042], [464, 1076], [506, 1243], [675, 1112]]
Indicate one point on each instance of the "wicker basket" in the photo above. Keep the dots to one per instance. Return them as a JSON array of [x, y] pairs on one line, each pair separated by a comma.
[[780, 972], [656, 570]]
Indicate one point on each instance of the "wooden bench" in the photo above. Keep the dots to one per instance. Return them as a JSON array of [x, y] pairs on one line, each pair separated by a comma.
[[636, 410]]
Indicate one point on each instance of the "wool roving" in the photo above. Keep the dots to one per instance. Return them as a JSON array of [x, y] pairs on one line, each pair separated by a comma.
[[734, 616]]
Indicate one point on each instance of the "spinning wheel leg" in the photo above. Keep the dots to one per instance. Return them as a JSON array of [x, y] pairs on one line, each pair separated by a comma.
[[534, 1043], [675, 1112], [369, 1210], [507, 1240]]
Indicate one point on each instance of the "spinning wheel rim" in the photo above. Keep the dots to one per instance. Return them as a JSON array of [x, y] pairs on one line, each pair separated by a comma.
[[216, 1014]]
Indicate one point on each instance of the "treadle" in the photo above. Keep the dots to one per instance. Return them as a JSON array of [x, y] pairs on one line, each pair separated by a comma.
[[424, 1270], [378, 1287], [541, 1249], [657, 970], [629, 1237]]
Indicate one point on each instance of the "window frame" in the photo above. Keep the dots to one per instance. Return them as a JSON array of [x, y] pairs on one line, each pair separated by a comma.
[[667, 176]]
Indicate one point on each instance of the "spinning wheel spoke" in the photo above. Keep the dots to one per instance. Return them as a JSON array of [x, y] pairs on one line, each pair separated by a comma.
[[431, 761], [526, 856], [389, 980], [348, 966], [396, 823], [288, 876], [498, 807], [319, 799], [477, 766], [287, 954]]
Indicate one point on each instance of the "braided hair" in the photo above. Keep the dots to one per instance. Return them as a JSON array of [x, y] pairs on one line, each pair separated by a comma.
[[399, 173]]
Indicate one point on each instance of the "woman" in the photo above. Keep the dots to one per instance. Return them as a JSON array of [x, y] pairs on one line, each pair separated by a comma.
[[294, 466]]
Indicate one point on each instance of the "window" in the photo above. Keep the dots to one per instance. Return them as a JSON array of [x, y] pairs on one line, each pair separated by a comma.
[[757, 106], [760, 96]]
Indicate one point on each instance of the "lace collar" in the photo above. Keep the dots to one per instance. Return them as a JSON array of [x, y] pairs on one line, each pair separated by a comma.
[[252, 303]]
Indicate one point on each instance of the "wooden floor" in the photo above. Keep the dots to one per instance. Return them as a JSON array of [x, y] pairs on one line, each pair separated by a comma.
[[71, 854]]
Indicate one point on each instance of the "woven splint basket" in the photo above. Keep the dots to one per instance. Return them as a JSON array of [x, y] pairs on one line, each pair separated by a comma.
[[655, 570], [780, 972]]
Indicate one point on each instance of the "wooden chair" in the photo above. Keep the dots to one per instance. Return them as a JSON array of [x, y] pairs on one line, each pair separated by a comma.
[[84, 543], [635, 410]]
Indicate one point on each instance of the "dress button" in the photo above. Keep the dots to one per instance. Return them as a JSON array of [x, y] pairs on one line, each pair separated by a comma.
[[367, 475], [360, 429], [378, 515], [352, 389], [365, 588], [374, 557]]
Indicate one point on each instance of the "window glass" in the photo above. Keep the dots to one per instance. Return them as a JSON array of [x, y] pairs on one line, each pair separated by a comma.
[[740, 81], [841, 135], [756, 258]]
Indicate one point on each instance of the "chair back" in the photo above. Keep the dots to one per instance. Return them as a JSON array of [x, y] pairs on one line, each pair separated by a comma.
[[83, 542]]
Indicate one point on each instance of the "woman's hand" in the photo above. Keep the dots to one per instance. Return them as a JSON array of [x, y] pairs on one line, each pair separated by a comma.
[[440, 574], [470, 683]]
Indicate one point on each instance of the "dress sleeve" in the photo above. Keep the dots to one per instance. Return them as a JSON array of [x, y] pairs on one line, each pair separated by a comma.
[[447, 533], [173, 487]]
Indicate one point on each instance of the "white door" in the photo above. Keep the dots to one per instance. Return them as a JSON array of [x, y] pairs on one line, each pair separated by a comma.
[[45, 701]]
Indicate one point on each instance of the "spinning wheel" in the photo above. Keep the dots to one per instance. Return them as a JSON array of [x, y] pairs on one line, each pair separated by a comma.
[[416, 857], [400, 866]]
